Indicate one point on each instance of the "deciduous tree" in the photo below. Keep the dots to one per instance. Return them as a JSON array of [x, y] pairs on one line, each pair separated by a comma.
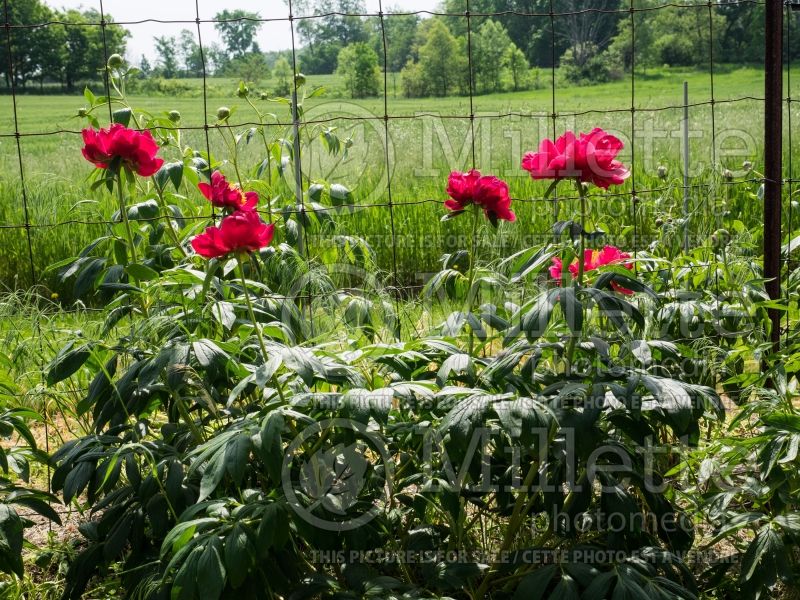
[[358, 65], [438, 57], [166, 48], [238, 29], [324, 38]]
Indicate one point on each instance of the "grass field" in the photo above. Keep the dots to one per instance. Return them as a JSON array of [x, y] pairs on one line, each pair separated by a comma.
[[703, 305], [428, 138]]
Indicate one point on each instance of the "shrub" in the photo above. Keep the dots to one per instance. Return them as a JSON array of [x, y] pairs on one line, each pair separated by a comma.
[[675, 50], [358, 65], [594, 67]]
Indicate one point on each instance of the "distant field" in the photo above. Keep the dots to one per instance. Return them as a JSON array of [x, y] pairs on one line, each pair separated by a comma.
[[429, 138]]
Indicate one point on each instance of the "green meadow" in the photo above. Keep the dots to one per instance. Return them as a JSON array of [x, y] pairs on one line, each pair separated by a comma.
[[427, 138]]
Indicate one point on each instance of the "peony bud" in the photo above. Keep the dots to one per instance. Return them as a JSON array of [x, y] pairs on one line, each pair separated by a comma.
[[264, 96], [747, 165], [82, 112], [662, 172], [727, 174], [723, 236], [174, 116], [659, 222], [243, 91], [223, 112], [300, 79], [115, 61]]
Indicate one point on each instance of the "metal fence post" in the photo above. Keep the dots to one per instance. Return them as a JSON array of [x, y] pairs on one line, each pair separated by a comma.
[[686, 166], [773, 140]]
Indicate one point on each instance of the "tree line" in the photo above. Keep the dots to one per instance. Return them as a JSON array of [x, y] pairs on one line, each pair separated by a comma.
[[49, 45], [68, 47], [589, 40]]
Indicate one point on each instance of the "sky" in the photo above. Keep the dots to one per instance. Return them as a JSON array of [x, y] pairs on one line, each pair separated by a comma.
[[272, 36]]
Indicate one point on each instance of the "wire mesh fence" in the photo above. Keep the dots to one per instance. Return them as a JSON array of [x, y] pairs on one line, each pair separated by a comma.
[[401, 138], [465, 128], [406, 141], [469, 130], [463, 133]]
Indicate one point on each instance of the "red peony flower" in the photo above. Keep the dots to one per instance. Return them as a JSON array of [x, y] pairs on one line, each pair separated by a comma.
[[488, 192], [223, 194], [590, 157], [134, 149], [594, 259], [243, 231]]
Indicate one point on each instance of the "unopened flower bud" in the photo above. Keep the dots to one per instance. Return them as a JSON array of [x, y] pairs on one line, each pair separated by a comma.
[[243, 91], [81, 112], [115, 61], [727, 174], [636, 200], [720, 238], [174, 116], [300, 79], [223, 112], [264, 96], [747, 165], [662, 172], [659, 222]]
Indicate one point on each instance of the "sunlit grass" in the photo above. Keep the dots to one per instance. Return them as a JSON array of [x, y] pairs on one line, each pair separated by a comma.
[[423, 150]]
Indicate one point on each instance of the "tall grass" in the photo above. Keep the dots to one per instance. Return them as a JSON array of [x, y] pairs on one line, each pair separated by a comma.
[[423, 151]]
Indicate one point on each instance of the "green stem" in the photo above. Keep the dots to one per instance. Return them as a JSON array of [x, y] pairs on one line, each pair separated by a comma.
[[573, 340], [730, 280], [186, 416], [266, 150], [582, 194], [251, 312], [123, 211], [471, 279], [234, 150], [165, 208], [514, 523]]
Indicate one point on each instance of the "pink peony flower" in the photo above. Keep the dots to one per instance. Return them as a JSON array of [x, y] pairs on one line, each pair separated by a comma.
[[594, 259], [223, 194], [487, 191], [135, 149], [590, 157], [243, 231]]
